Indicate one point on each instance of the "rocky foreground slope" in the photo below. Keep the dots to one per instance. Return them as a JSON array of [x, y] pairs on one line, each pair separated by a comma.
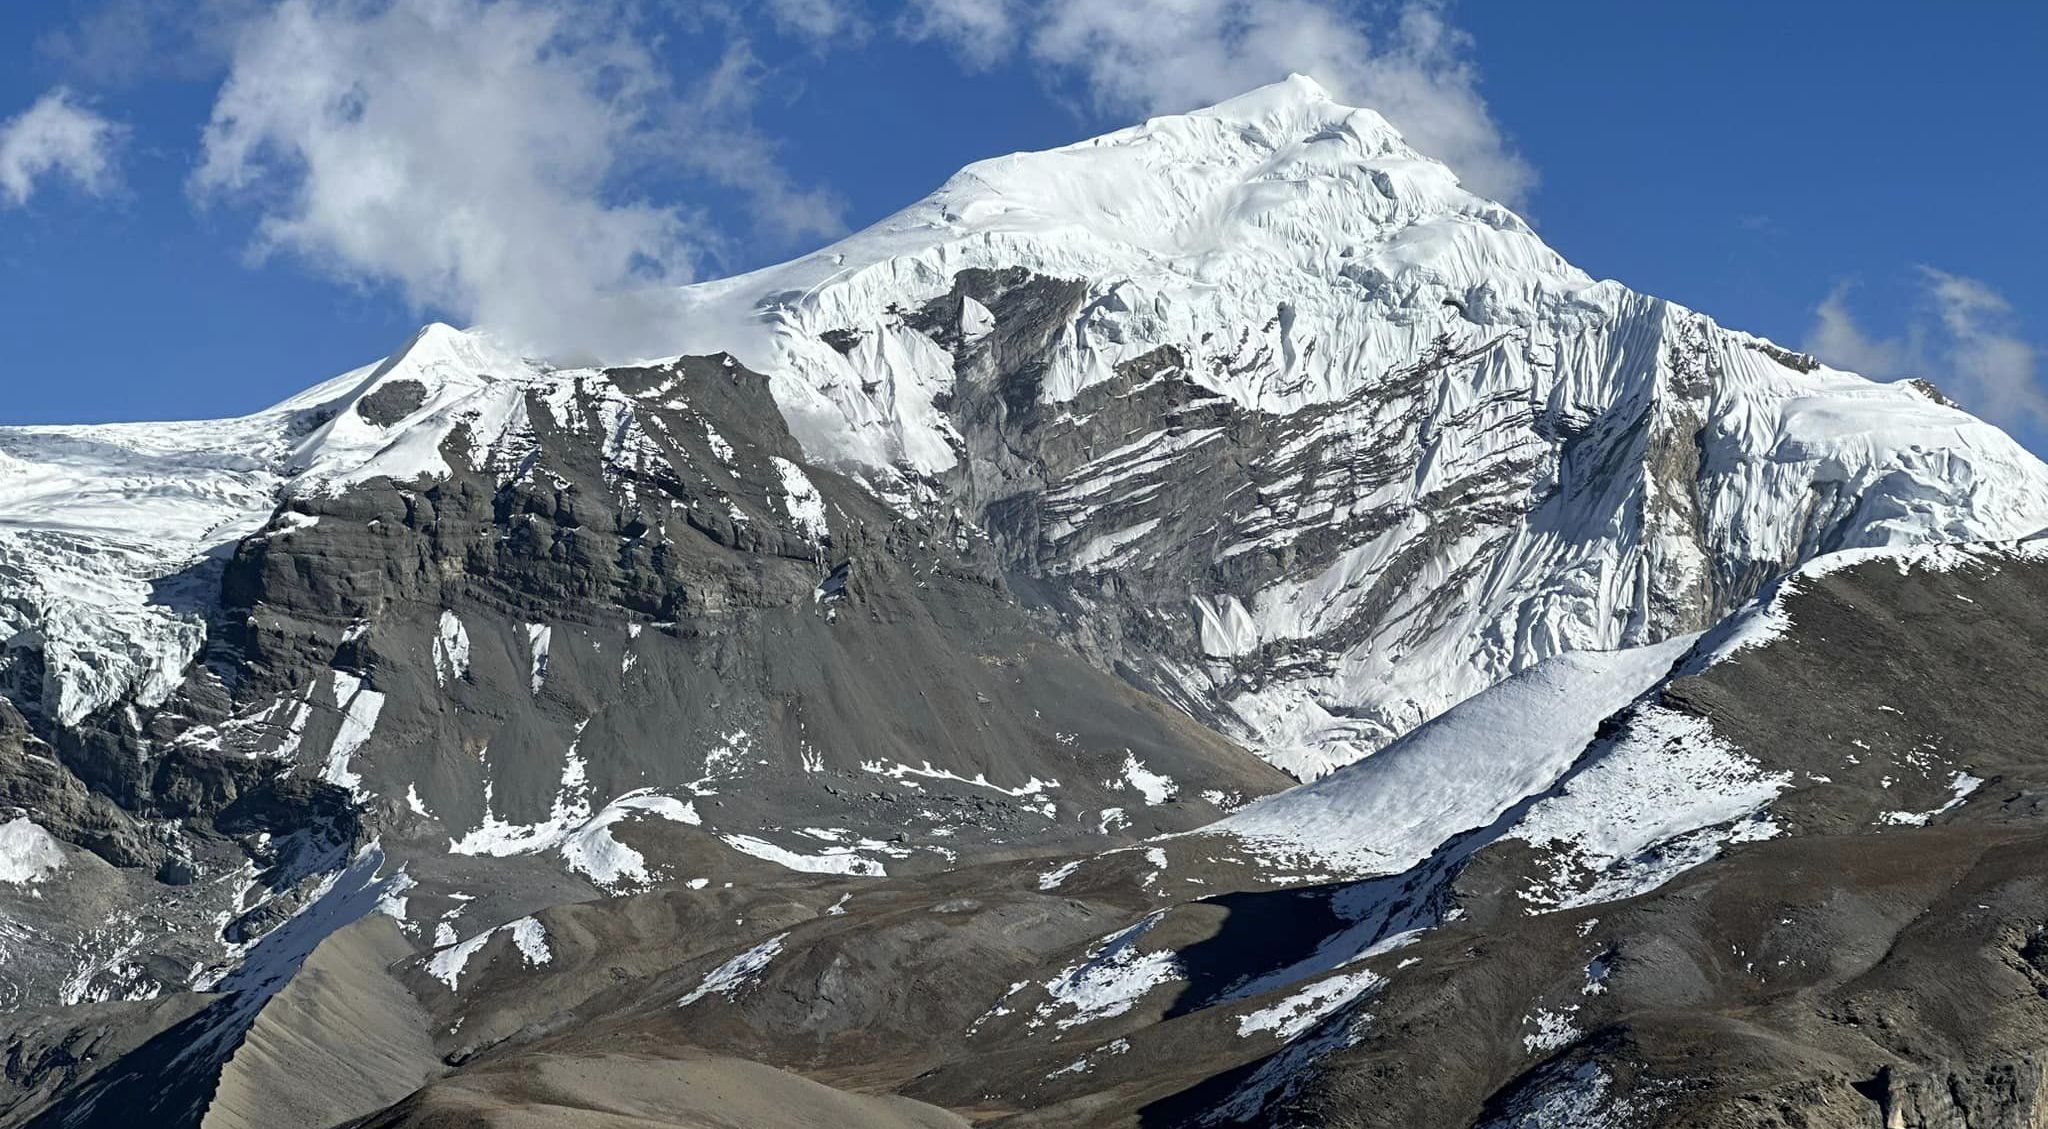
[[883, 709], [1796, 882]]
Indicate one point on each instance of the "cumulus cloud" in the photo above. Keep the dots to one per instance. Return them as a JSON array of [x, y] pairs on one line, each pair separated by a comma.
[[1165, 56], [1963, 337], [55, 137], [474, 154]]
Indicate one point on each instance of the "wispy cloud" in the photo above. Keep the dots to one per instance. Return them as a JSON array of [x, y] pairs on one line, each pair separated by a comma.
[[1839, 339], [1992, 366], [55, 137], [1962, 336], [114, 43], [823, 22], [476, 155], [1163, 56], [711, 132], [980, 30]]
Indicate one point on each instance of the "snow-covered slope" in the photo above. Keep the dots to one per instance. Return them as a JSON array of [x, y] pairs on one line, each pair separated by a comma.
[[1581, 755], [108, 532], [1278, 238], [1476, 456], [1458, 772]]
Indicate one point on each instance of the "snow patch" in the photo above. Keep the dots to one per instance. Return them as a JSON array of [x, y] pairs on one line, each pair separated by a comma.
[[451, 649], [975, 320], [360, 707], [830, 860], [1553, 1030], [583, 838], [1290, 1018], [903, 772], [529, 938], [1109, 980], [539, 642], [1052, 879], [1157, 788], [728, 978], [28, 853], [1960, 786], [801, 500]]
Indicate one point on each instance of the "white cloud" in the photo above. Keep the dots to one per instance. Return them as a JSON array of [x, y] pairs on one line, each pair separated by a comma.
[[1962, 337], [826, 22], [1166, 56], [119, 42], [1838, 339], [981, 30], [55, 137], [1992, 367], [720, 144], [473, 153], [455, 148]]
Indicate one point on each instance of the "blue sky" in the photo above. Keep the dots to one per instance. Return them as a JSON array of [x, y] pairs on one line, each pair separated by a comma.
[[1861, 178]]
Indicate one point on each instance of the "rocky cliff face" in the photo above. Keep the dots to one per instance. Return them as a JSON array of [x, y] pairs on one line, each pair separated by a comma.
[[881, 705]]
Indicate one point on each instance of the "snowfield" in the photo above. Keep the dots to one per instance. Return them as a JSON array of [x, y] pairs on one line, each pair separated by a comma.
[[1459, 772]]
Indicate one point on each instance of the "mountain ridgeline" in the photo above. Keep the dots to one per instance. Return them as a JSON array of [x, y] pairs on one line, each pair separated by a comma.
[[1175, 630]]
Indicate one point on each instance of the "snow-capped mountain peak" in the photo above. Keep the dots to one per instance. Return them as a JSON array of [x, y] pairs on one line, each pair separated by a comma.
[[923, 594], [1447, 452], [104, 527], [1186, 184], [1281, 208], [391, 419], [1352, 442]]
